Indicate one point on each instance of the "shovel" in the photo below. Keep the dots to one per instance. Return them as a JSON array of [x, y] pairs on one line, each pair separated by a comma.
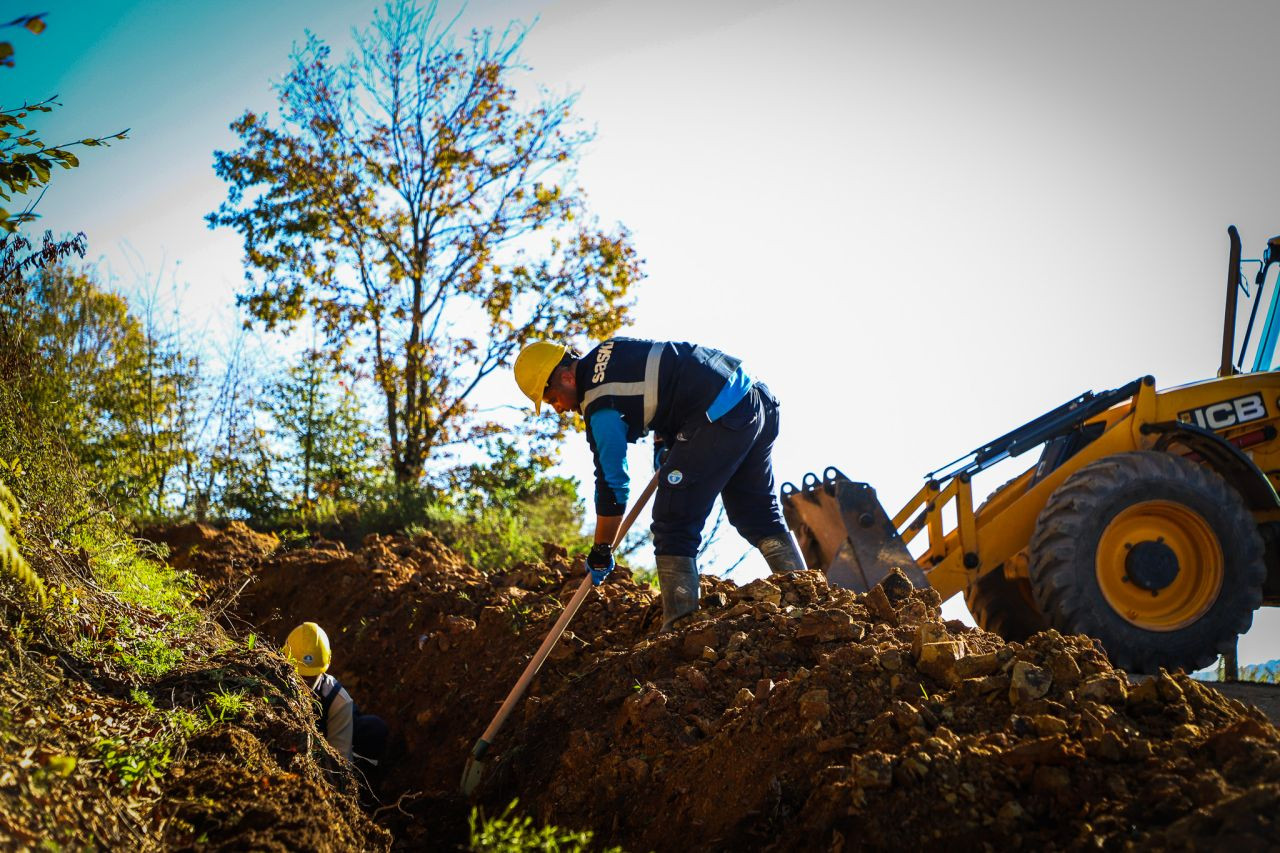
[[474, 770]]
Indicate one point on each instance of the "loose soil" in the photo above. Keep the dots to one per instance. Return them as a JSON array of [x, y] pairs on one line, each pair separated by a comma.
[[1265, 696], [787, 716]]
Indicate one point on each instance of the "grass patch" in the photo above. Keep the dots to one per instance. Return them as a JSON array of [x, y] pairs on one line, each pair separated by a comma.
[[513, 833], [134, 765], [136, 575], [143, 699], [150, 656], [148, 650], [227, 705], [185, 723]]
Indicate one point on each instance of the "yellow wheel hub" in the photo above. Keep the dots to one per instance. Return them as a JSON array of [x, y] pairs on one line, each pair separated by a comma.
[[1159, 565]]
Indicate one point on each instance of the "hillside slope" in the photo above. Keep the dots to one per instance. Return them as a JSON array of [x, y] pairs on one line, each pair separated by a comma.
[[126, 728]]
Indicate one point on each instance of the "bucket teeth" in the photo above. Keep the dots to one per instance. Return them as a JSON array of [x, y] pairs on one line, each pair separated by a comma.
[[845, 533]]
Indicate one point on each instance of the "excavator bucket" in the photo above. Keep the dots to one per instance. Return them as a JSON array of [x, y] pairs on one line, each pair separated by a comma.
[[844, 532]]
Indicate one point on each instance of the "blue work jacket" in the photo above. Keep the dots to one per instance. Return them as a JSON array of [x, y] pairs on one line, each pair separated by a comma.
[[629, 387]]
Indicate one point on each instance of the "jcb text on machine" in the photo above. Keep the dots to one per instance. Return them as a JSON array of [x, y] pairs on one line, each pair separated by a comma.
[[1150, 521]]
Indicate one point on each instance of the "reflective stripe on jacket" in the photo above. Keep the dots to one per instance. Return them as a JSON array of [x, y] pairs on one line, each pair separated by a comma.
[[655, 386]]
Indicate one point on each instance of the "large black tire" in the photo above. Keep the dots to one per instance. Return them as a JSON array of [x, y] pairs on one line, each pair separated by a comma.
[[1005, 607], [1002, 606], [1183, 532]]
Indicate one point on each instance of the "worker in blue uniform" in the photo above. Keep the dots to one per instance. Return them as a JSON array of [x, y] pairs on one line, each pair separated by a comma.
[[714, 427]]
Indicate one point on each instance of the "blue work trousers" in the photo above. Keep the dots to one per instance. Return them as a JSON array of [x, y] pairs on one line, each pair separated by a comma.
[[730, 457]]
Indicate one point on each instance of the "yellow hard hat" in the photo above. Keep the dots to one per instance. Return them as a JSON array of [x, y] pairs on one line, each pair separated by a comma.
[[534, 366], [308, 648]]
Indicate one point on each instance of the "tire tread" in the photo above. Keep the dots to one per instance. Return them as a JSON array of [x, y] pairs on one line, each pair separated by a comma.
[[1066, 601]]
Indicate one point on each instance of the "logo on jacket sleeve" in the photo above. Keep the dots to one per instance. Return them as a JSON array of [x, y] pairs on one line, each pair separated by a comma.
[[674, 478]]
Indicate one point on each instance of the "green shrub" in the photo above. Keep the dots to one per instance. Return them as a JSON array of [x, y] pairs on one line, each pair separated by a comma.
[[500, 512], [11, 561], [493, 513]]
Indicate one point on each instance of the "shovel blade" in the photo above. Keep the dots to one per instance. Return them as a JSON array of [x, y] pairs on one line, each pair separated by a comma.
[[845, 533], [474, 771], [471, 776]]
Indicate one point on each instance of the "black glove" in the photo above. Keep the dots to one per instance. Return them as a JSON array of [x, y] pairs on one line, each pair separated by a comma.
[[600, 562]]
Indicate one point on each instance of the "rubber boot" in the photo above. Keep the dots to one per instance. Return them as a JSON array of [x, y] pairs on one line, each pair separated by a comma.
[[678, 583], [781, 553]]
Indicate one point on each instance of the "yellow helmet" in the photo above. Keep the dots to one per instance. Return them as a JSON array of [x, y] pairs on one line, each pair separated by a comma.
[[534, 366], [308, 649]]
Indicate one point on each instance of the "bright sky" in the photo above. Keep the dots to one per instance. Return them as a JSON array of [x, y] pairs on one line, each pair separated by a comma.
[[923, 223]]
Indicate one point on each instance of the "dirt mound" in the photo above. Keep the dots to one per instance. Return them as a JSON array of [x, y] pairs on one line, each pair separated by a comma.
[[792, 716], [433, 645], [216, 556], [262, 782]]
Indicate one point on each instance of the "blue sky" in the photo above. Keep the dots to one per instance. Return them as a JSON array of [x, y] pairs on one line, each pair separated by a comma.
[[922, 222]]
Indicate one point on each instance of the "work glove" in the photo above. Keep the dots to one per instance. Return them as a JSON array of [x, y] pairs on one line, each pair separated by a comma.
[[600, 562], [660, 451]]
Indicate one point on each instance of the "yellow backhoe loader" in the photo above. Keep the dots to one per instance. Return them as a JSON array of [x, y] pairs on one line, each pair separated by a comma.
[[1150, 521]]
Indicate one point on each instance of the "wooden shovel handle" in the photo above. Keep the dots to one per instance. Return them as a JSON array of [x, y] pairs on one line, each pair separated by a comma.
[[557, 629]]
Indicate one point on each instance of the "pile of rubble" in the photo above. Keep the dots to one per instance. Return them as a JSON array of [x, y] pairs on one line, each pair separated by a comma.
[[799, 716], [789, 715]]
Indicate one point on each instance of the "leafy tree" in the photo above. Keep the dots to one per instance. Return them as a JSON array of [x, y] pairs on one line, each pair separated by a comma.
[[235, 469], [26, 164], [162, 427], [88, 368], [19, 257], [33, 23], [329, 453], [425, 216]]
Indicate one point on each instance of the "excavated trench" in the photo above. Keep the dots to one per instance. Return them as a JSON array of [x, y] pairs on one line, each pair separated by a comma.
[[794, 716]]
